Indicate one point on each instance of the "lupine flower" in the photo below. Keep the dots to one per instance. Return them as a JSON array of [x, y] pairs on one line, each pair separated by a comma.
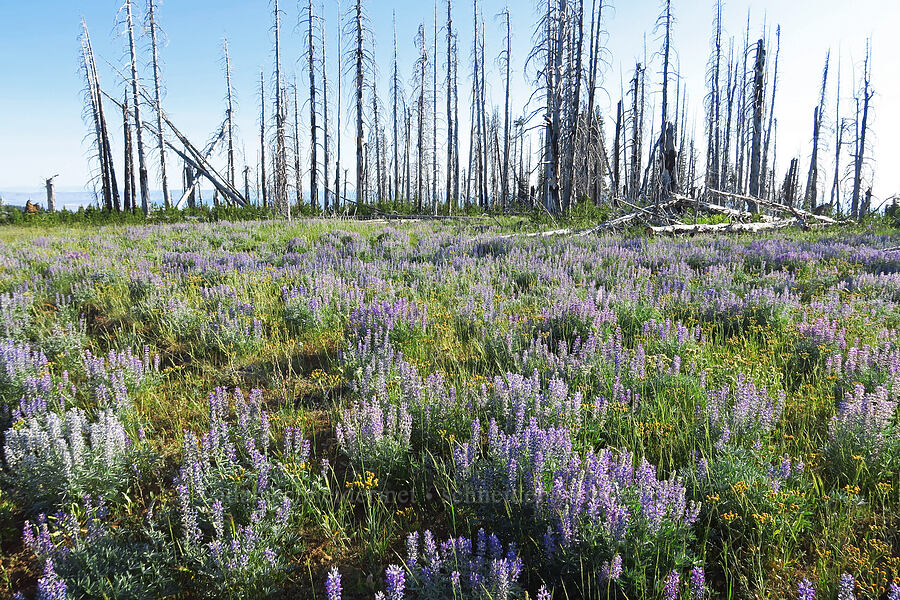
[[847, 589], [50, 585], [805, 590], [395, 580], [333, 584], [673, 581], [698, 583], [894, 592]]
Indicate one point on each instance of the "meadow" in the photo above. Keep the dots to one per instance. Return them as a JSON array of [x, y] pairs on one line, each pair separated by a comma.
[[427, 410]]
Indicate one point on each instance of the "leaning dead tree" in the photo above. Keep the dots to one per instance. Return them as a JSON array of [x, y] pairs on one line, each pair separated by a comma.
[[100, 134]]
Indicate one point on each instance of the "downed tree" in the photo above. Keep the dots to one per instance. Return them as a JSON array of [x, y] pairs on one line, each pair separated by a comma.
[[798, 213], [720, 227]]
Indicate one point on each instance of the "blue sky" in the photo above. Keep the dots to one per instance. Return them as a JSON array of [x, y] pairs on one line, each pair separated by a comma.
[[42, 131]]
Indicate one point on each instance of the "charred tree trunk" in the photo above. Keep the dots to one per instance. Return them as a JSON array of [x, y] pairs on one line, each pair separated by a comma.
[[758, 91], [313, 145], [861, 129], [360, 81], [765, 156]]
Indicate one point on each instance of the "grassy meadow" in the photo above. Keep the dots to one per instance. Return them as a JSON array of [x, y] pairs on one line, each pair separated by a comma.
[[326, 409]]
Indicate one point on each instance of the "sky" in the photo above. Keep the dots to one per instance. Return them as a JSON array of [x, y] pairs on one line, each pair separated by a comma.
[[42, 131]]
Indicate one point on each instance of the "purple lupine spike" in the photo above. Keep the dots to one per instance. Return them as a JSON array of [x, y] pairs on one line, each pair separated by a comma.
[[333, 584], [805, 590], [847, 588], [673, 581], [395, 580]]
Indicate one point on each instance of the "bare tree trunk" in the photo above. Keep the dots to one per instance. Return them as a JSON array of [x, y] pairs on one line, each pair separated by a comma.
[[298, 180], [504, 194], [636, 118], [731, 86], [394, 98], [51, 198], [338, 198], [667, 133], [765, 156], [838, 135], [229, 117], [713, 179], [455, 138], [812, 191], [360, 190], [262, 138], [434, 104], [450, 116], [129, 157], [325, 139], [151, 18], [758, 90], [313, 147], [420, 143], [282, 202], [859, 155], [596, 20], [142, 164]]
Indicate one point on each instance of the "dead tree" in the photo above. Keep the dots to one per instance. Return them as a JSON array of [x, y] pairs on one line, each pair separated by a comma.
[[454, 142], [395, 94], [861, 127], [504, 194], [637, 112], [298, 177], [313, 146], [667, 152], [262, 138], [128, 177], [713, 179], [434, 118], [138, 126], [758, 91], [731, 82], [422, 68], [337, 149], [839, 135], [109, 187], [325, 139], [593, 62], [282, 204], [765, 151], [451, 120], [51, 197], [809, 199], [229, 114], [359, 57], [151, 23]]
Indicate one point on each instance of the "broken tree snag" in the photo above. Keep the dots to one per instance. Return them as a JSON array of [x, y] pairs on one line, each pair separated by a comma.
[[720, 228], [51, 198]]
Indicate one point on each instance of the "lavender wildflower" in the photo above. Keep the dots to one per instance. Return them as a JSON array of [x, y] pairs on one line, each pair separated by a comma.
[[805, 590], [333, 584], [673, 581]]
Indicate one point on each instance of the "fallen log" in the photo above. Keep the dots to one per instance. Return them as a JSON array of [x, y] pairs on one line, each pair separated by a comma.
[[720, 228], [798, 213]]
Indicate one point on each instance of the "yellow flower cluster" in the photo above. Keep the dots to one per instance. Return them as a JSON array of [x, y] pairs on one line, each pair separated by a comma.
[[367, 483]]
